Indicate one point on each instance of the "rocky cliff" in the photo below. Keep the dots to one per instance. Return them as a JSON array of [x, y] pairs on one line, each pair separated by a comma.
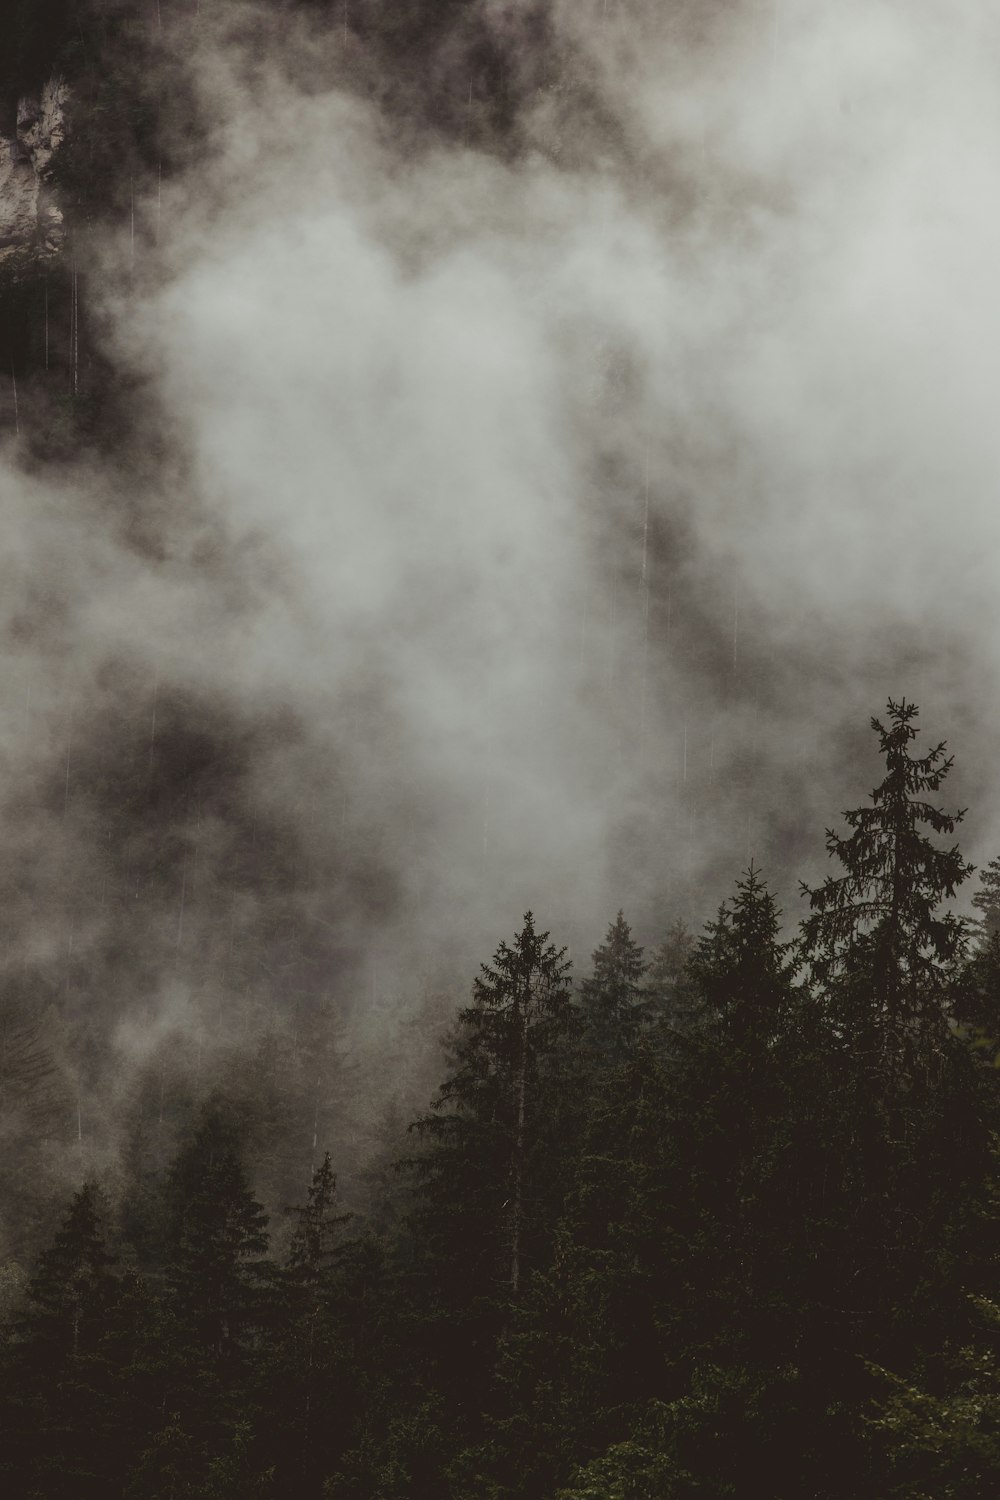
[[31, 221]]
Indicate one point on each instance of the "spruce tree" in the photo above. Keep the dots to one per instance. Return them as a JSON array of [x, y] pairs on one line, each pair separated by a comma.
[[977, 1002], [304, 1361], [612, 1001], [503, 1090], [59, 1412], [317, 1230], [672, 1001], [70, 1291], [218, 1239], [875, 937], [217, 1289], [740, 969], [740, 1170], [488, 1186]]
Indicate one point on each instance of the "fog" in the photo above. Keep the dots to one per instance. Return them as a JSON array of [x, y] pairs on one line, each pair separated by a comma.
[[522, 521]]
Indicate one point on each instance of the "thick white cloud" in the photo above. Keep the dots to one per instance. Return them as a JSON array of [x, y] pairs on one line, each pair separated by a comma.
[[418, 397]]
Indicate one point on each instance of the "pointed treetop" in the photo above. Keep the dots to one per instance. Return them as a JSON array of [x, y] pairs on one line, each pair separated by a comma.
[[740, 965], [611, 999], [317, 1230], [880, 918], [530, 965]]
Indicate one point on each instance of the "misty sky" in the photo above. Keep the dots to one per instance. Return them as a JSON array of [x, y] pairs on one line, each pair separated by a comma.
[[534, 526]]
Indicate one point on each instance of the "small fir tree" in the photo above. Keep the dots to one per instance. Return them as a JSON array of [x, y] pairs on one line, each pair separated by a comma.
[[612, 1000], [740, 970], [672, 999]]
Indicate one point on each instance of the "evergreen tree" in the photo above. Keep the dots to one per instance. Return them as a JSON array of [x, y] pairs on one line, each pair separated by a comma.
[[217, 1291], [317, 1230], [494, 1112], [875, 938], [59, 1403], [217, 1239], [977, 1002], [612, 1000], [740, 970], [741, 1077], [71, 1290], [941, 1428], [303, 1359], [585, 1347], [488, 1187], [672, 999]]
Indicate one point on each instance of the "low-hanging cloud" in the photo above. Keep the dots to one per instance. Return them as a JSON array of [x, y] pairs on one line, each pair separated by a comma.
[[534, 527]]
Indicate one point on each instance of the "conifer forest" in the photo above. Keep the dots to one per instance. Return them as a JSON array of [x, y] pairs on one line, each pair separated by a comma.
[[499, 666]]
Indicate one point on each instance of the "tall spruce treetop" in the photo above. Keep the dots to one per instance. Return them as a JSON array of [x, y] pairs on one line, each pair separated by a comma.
[[496, 1109], [521, 1007], [317, 1231], [740, 970], [875, 933], [612, 1000]]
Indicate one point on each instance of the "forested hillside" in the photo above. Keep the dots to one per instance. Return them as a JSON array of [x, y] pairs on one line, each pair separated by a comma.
[[465, 458], [718, 1220]]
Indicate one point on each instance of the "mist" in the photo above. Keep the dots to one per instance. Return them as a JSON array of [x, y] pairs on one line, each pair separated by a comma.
[[506, 523]]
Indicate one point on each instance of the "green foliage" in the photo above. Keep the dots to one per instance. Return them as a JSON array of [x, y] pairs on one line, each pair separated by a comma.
[[740, 970], [612, 1000], [665, 1242], [875, 937], [70, 1291], [493, 1130], [630, 1471], [945, 1442]]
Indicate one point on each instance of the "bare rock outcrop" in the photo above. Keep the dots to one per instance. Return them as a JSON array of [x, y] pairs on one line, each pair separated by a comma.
[[31, 221]]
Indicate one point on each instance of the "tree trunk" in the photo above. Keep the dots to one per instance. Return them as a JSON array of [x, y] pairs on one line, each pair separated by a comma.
[[517, 1190]]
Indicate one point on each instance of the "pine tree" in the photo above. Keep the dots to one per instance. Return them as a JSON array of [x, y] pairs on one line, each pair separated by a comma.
[[740, 1178], [977, 1001], [217, 1293], [488, 1184], [317, 1230], [585, 1345], [735, 1141], [740, 970], [70, 1292], [875, 937], [218, 1239], [59, 1406], [942, 1435], [303, 1360], [672, 999], [507, 1053], [612, 1001]]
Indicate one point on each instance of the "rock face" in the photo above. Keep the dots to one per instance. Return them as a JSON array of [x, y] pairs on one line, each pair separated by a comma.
[[31, 221]]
